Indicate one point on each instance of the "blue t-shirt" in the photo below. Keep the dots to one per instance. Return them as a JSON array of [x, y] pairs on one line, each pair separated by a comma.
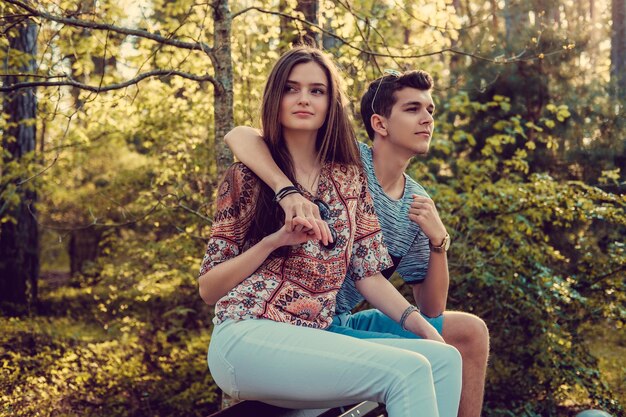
[[406, 242]]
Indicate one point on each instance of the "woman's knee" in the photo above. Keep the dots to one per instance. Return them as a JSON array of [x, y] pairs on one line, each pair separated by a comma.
[[451, 356], [412, 361], [416, 365]]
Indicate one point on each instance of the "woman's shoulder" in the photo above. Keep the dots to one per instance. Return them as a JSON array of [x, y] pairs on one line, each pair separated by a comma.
[[351, 177], [240, 170], [238, 173], [239, 179]]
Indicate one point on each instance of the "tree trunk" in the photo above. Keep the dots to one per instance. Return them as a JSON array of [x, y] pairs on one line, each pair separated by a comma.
[[494, 17], [594, 38], [328, 41], [618, 50], [455, 59], [592, 11], [19, 239], [310, 10], [516, 21], [83, 244], [223, 96], [83, 248], [287, 29]]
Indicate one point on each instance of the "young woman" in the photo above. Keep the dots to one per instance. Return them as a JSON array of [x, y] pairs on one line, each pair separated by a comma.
[[274, 290]]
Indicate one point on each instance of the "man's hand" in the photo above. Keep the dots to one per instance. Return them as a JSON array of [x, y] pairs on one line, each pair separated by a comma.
[[307, 214], [424, 213]]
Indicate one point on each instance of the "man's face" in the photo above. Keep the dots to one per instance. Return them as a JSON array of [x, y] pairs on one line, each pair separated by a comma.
[[410, 124]]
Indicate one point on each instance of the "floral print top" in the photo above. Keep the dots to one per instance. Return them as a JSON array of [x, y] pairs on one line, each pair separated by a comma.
[[300, 287]]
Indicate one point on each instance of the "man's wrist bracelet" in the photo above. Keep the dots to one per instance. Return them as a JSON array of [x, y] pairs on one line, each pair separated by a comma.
[[284, 192], [405, 315]]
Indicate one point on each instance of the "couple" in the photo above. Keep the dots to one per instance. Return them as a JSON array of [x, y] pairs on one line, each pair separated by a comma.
[[283, 292]]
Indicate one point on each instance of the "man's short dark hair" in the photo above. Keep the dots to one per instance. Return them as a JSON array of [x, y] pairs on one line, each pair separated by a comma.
[[380, 99]]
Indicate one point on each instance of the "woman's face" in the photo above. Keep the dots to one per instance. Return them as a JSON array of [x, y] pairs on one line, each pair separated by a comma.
[[305, 100]]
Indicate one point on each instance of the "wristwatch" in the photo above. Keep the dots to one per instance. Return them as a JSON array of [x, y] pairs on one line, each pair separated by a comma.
[[441, 248]]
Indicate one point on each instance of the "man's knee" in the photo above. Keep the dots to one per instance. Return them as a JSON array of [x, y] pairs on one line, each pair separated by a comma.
[[469, 333], [482, 334], [478, 328]]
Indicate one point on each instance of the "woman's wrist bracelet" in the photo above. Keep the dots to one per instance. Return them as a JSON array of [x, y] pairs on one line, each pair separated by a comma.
[[284, 192], [405, 315]]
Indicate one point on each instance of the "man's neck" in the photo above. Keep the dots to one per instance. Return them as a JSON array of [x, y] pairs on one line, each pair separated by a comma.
[[389, 167]]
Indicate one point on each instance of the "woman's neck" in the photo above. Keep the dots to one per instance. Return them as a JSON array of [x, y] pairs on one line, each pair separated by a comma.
[[301, 147]]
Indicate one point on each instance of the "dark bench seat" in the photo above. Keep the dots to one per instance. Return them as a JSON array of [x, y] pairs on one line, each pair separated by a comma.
[[259, 409]]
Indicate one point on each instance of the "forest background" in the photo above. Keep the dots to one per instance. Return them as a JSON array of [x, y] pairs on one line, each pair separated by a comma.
[[113, 118]]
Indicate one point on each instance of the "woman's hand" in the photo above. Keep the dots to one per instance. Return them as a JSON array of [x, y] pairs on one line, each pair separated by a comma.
[[296, 206], [285, 237], [418, 325]]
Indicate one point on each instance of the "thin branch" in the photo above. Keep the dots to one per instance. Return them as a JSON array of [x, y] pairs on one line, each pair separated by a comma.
[[54, 161], [197, 213], [94, 222], [517, 58], [366, 38], [74, 83], [24, 74], [196, 46], [425, 23], [602, 277]]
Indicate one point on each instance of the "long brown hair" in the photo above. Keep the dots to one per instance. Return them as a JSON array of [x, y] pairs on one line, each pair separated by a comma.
[[336, 141]]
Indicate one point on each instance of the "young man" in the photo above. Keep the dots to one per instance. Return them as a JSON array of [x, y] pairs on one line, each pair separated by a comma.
[[397, 111]]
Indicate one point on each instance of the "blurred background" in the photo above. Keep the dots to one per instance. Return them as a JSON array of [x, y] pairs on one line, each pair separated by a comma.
[[113, 118]]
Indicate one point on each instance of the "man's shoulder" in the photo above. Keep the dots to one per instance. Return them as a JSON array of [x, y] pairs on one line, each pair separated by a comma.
[[414, 187], [366, 153]]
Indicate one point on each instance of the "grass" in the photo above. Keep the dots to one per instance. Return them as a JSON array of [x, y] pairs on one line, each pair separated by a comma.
[[608, 344]]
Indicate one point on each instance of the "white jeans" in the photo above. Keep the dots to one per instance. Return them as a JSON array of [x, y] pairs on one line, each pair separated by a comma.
[[298, 367]]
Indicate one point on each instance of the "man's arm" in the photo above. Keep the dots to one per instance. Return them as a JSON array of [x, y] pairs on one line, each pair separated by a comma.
[[248, 146], [431, 295], [381, 294]]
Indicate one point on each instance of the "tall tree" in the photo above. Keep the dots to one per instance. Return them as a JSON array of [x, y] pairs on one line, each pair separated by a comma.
[[618, 49], [310, 9], [19, 258], [291, 30], [516, 20], [223, 95], [84, 241]]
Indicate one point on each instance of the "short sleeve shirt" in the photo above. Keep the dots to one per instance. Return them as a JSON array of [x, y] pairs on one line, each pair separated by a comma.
[[405, 240], [299, 287]]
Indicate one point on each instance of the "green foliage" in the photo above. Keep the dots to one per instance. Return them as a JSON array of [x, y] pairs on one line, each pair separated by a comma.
[[538, 252], [59, 366], [131, 343], [534, 256]]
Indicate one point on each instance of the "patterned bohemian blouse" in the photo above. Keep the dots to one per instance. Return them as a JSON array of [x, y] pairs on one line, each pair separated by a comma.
[[299, 287]]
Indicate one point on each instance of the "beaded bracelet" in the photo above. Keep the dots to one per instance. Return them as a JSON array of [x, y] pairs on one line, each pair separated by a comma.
[[405, 315], [284, 192]]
